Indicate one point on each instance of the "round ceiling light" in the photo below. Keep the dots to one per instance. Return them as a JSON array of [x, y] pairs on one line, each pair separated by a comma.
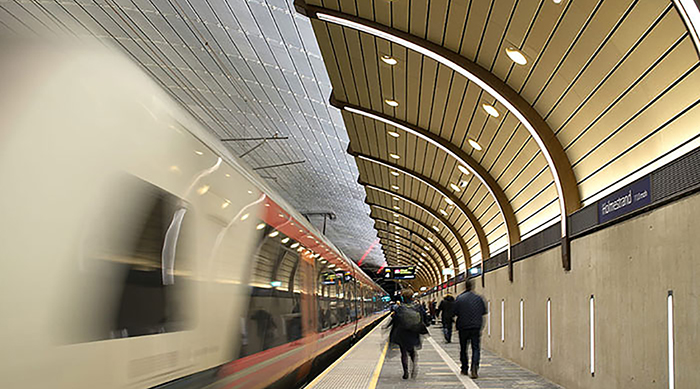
[[448, 201], [394, 134], [395, 187], [395, 156], [389, 60], [475, 145], [391, 103], [394, 173], [490, 109], [455, 187], [516, 55], [463, 169], [442, 211]]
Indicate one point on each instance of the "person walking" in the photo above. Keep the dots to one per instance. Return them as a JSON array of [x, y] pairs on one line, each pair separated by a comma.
[[408, 324], [447, 308], [469, 309]]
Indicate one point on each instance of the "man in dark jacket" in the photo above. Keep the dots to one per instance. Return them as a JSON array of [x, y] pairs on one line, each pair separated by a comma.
[[447, 308], [469, 309]]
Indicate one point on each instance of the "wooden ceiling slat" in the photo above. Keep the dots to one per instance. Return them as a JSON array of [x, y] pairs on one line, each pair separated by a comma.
[[437, 18], [454, 27], [418, 17], [476, 21], [359, 71], [471, 98], [534, 205], [341, 58], [501, 167], [444, 79], [348, 6], [535, 221], [426, 92], [454, 99], [382, 12], [518, 30], [414, 66], [400, 15], [372, 68], [386, 73], [365, 9], [500, 142], [330, 4], [494, 32]]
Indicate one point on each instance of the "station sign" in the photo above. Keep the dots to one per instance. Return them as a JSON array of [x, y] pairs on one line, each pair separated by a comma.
[[399, 273], [330, 278], [625, 200]]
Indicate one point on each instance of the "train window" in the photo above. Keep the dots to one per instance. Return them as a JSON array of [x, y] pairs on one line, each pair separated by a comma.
[[136, 264], [274, 315]]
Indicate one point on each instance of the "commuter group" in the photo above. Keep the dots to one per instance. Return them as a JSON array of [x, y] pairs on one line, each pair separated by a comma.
[[410, 321]]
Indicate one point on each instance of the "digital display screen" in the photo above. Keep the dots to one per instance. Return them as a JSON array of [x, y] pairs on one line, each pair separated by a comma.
[[400, 273], [347, 276], [330, 278]]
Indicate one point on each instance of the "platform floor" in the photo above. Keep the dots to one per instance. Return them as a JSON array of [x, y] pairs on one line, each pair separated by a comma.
[[372, 364]]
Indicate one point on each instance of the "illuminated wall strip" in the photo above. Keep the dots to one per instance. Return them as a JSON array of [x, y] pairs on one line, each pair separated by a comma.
[[549, 329], [488, 319], [691, 16], [591, 309], [424, 209], [503, 320], [522, 325], [671, 356], [442, 193], [471, 77]]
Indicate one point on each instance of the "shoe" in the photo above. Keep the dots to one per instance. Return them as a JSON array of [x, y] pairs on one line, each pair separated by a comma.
[[405, 375], [474, 375], [464, 372], [414, 372]]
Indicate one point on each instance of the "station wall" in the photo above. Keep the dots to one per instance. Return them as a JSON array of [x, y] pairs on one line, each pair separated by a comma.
[[629, 268]]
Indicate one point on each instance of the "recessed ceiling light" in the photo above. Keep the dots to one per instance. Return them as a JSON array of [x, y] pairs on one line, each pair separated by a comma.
[[397, 227], [395, 156], [463, 169], [455, 187], [391, 103], [516, 55], [436, 228], [396, 198], [463, 184], [250, 192], [442, 211], [423, 254], [332, 265], [556, 1], [285, 240], [198, 152], [394, 187], [426, 248], [225, 204], [394, 134], [490, 109], [260, 226], [273, 234], [396, 207], [204, 189], [295, 245], [448, 201], [389, 60], [431, 240], [396, 215], [475, 145], [228, 175], [394, 173]]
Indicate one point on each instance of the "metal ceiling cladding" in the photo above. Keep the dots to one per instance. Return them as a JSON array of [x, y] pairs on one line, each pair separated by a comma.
[[245, 69]]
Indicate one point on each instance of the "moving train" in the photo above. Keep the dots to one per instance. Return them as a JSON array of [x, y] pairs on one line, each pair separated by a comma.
[[137, 253]]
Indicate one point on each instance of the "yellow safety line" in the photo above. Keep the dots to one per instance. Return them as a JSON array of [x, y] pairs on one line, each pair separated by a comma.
[[334, 364], [378, 369]]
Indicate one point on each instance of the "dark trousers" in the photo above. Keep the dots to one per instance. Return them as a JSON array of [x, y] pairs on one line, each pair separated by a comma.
[[405, 353], [473, 337], [447, 330]]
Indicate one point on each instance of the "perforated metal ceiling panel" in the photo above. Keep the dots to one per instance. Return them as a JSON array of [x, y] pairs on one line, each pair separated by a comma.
[[245, 69]]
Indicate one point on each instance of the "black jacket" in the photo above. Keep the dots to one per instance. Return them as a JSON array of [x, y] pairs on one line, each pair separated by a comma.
[[469, 309], [447, 308]]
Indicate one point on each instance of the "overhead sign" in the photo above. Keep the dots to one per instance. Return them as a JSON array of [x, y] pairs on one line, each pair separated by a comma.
[[330, 278], [625, 200], [474, 271], [400, 273]]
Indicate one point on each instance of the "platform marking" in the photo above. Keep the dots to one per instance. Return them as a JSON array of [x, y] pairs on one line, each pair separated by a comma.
[[334, 364], [378, 369], [468, 383]]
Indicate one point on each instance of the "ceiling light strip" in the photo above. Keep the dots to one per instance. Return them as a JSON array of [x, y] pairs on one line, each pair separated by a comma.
[[690, 12], [471, 77]]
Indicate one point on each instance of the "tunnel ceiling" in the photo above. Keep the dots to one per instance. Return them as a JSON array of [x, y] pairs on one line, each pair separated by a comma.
[[461, 150], [452, 137]]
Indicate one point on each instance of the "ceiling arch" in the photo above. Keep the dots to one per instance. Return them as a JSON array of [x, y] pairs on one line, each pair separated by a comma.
[[439, 237], [549, 145], [429, 259], [444, 192], [427, 244], [450, 227]]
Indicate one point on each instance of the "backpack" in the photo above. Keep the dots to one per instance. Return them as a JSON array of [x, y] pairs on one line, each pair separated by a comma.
[[410, 319]]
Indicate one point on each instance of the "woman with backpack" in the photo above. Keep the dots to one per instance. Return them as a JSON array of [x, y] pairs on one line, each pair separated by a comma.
[[407, 325]]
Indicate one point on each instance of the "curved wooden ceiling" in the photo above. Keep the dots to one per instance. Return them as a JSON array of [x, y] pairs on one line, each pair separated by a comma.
[[613, 83]]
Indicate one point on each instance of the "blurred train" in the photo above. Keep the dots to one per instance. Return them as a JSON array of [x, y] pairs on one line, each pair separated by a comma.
[[136, 252]]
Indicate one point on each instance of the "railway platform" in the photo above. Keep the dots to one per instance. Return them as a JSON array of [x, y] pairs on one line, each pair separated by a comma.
[[373, 363]]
